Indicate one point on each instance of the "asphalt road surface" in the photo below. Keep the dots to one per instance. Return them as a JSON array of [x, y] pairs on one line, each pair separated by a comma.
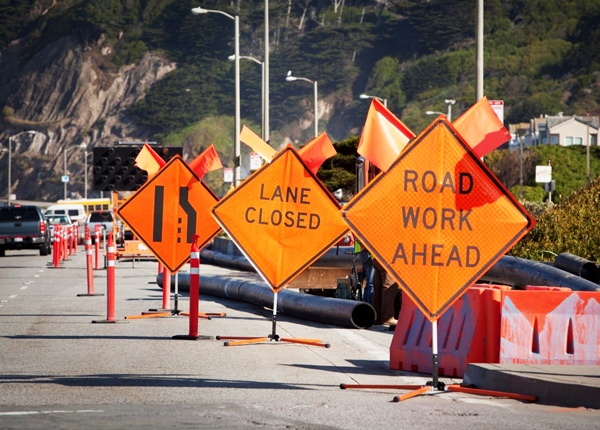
[[61, 371]]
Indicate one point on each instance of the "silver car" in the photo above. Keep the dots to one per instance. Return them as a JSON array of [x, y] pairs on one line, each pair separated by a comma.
[[106, 221], [53, 220]]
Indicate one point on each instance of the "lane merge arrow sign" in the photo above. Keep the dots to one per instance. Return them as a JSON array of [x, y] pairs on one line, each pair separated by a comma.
[[170, 208]]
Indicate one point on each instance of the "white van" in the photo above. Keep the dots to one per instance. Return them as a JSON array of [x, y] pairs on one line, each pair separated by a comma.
[[76, 212]]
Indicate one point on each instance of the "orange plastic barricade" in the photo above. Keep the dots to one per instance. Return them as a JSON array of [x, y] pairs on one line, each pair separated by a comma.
[[468, 332], [544, 326]]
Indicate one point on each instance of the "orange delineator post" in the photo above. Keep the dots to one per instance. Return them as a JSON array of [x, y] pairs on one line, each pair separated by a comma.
[[88, 257], [73, 239], [166, 288], [97, 247], [88, 265], [68, 242], [110, 276], [110, 281], [55, 248], [65, 243], [194, 293], [194, 288]]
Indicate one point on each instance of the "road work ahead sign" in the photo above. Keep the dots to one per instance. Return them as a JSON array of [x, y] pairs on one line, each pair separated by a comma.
[[168, 210], [282, 218], [438, 219]]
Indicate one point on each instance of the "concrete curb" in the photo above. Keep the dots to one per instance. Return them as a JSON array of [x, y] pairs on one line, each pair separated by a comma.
[[567, 386]]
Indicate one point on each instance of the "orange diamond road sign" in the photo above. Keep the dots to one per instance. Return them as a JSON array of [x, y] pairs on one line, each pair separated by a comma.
[[168, 210], [282, 218], [438, 219]]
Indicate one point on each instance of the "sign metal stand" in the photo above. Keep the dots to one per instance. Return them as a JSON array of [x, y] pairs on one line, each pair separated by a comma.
[[435, 385], [273, 336]]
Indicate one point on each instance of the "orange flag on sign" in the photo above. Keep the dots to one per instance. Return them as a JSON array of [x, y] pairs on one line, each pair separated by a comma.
[[481, 128], [149, 160], [207, 161], [384, 136], [257, 144], [315, 152]]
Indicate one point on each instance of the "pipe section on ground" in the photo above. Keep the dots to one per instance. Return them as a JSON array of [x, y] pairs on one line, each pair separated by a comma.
[[519, 272], [224, 253], [327, 310], [578, 266]]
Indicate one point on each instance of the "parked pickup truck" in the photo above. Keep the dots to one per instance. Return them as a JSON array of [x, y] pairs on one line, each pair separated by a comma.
[[23, 227]]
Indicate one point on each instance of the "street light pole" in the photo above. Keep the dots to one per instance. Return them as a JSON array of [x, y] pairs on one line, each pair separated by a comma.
[[262, 102], [291, 78], [65, 182], [266, 136], [479, 52], [10, 140], [367, 96], [65, 150], [9, 170], [450, 102], [236, 154]]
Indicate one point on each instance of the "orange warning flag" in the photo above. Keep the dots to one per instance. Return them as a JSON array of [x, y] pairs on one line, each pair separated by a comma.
[[257, 144], [149, 160], [384, 136], [207, 161], [315, 152], [481, 128]]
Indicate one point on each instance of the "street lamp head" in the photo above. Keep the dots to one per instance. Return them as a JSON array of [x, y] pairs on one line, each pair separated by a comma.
[[364, 96], [231, 57], [289, 77], [199, 11], [431, 112], [450, 101]]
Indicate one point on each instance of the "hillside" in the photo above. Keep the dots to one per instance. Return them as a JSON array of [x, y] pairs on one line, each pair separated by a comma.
[[92, 72]]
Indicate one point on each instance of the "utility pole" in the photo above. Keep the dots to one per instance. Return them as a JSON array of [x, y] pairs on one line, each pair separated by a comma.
[[479, 56]]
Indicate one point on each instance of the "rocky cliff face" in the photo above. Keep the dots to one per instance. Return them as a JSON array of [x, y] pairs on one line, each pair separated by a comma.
[[74, 102]]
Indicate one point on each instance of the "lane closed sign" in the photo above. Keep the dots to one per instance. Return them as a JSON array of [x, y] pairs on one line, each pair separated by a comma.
[[282, 218]]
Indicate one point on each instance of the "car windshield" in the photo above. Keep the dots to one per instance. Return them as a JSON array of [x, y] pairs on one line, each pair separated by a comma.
[[100, 217], [57, 219], [19, 214]]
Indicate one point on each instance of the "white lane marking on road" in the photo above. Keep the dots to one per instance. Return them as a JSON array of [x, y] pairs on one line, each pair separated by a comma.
[[13, 413], [24, 288], [14, 296]]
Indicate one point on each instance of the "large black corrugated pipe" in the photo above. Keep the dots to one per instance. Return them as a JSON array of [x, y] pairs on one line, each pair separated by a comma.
[[340, 312], [216, 258], [578, 266], [520, 272], [335, 257]]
